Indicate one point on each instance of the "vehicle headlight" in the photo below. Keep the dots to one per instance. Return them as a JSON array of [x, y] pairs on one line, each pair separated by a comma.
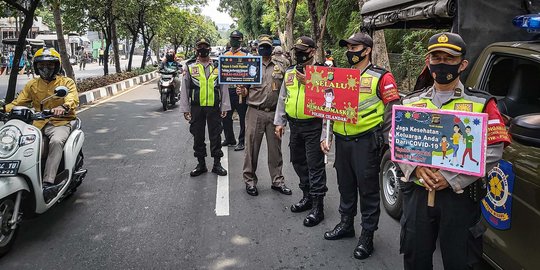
[[9, 141], [166, 83]]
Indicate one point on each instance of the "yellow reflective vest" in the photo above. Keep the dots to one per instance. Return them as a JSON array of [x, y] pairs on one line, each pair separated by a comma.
[[296, 95], [204, 91]]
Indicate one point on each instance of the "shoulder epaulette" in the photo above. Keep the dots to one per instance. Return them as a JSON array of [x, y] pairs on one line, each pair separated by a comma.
[[417, 92], [291, 67], [378, 69]]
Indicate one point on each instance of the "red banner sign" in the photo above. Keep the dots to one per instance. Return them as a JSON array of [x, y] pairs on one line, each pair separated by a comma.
[[332, 93]]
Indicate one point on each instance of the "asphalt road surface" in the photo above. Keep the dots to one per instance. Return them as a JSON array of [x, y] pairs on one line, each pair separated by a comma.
[[139, 208], [91, 70]]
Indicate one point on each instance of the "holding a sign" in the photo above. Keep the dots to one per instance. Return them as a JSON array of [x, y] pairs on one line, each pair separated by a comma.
[[450, 140], [240, 69]]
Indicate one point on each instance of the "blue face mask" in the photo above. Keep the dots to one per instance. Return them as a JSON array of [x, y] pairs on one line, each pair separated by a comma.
[[265, 50]]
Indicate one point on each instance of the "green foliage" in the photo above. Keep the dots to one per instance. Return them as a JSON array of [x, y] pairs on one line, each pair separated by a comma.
[[101, 81]]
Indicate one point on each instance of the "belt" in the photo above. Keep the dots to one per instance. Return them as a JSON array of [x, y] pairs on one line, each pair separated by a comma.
[[357, 136], [260, 108], [308, 121]]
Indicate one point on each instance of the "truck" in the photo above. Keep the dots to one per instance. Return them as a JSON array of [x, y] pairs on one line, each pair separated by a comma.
[[504, 52]]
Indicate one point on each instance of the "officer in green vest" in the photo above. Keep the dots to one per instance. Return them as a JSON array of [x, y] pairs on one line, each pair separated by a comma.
[[306, 155], [359, 146], [202, 101], [455, 217]]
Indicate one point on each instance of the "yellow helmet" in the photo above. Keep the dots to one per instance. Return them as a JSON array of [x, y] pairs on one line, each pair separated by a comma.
[[47, 55]]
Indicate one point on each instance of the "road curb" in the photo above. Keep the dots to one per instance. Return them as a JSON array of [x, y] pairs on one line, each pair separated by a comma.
[[94, 95]]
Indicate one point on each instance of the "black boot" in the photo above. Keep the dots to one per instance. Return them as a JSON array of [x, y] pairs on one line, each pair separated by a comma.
[[200, 169], [218, 169], [316, 215], [365, 245], [303, 205], [343, 229]]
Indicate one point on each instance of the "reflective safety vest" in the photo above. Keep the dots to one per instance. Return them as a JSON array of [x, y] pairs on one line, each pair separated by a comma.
[[204, 91], [296, 95], [463, 100], [370, 106]]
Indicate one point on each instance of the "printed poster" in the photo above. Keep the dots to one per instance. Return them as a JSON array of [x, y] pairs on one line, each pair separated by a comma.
[[333, 93], [449, 140], [240, 69]]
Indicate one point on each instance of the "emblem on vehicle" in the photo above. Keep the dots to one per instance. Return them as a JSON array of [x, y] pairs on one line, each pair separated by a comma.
[[497, 205]]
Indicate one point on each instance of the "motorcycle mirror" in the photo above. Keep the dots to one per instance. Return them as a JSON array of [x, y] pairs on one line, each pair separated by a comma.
[[61, 91]]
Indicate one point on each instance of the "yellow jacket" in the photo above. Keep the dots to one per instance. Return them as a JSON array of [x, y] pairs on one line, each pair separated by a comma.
[[38, 89]]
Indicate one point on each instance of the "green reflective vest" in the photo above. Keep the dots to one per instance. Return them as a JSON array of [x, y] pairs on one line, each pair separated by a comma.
[[370, 106], [463, 100], [204, 91], [296, 95]]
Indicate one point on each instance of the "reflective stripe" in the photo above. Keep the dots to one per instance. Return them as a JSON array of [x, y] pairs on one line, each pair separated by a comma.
[[368, 103]]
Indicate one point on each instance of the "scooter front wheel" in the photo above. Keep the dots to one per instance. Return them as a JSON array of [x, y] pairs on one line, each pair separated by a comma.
[[7, 234], [164, 101]]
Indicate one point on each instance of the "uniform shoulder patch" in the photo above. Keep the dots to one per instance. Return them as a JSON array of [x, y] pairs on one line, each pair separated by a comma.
[[378, 69]]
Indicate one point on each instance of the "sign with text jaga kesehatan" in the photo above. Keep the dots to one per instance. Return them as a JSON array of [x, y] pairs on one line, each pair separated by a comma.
[[240, 69], [448, 140]]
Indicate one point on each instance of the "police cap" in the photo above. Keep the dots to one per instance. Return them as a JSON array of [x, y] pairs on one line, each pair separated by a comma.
[[447, 42], [304, 43], [236, 34], [201, 42], [359, 38]]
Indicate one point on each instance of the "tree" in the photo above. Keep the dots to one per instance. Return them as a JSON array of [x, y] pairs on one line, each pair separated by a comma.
[[28, 10], [55, 6], [318, 26], [379, 54]]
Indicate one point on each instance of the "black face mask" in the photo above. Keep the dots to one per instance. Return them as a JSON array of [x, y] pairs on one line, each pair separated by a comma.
[[169, 57], [445, 73], [47, 73], [235, 43], [265, 50], [302, 57], [203, 52], [355, 57]]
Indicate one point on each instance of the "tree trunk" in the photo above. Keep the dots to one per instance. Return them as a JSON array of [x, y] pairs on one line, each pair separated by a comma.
[[379, 54], [61, 41], [114, 38], [27, 25], [132, 51], [106, 55], [318, 27], [289, 38]]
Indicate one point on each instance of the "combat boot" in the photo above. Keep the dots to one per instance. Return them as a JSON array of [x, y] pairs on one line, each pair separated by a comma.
[[316, 215], [200, 169], [365, 245], [303, 205], [345, 228]]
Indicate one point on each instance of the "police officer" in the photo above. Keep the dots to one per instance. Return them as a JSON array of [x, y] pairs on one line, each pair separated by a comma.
[[262, 100], [359, 146], [455, 218], [236, 39], [203, 100], [306, 155]]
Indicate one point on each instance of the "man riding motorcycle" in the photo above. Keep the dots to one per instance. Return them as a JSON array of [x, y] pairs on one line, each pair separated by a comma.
[[169, 61], [57, 128]]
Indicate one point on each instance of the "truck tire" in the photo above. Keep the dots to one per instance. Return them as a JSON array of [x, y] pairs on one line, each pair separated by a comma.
[[389, 179]]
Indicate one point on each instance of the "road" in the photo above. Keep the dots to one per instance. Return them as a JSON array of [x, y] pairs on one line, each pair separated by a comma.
[[91, 70], [139, 208]]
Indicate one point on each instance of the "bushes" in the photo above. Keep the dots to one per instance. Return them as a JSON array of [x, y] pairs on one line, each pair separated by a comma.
[[97, 82]]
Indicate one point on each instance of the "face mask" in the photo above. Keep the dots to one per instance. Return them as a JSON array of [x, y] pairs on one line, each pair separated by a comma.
[[170, 57], [355, 57], [235, 43], [265, 51], [444, 73], [203, 52], [47, 73], [302, 57]]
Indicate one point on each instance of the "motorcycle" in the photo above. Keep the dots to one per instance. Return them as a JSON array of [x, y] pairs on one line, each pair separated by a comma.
[[166, 86], [21, 169]]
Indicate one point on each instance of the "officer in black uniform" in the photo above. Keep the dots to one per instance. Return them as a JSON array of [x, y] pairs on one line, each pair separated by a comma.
[[455, 217], [236, 39], [202, 101]]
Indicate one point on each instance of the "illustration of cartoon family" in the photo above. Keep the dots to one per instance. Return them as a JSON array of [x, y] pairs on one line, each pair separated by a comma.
[[458, 137]]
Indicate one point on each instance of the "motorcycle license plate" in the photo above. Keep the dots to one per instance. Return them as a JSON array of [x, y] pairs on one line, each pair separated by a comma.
[[9, 168]]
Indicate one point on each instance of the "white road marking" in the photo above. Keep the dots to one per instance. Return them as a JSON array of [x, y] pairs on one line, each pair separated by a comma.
[[113, 97], [222, 193]]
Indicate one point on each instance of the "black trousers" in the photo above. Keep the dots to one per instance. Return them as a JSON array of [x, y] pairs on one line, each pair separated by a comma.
[[455, 219], [241, 108], [357, 165], [200, 116], [307, 157]]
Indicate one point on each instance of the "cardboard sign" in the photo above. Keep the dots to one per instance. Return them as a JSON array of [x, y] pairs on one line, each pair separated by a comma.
[[240, 70], [448, 140], [333, 93]]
